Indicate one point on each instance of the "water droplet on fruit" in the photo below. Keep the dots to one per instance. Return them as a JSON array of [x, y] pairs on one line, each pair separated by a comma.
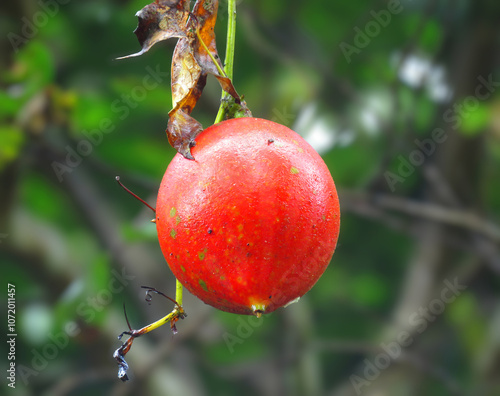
[[291, 302]]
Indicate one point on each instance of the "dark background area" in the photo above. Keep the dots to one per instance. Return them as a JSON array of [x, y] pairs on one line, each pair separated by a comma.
[[400, 98]]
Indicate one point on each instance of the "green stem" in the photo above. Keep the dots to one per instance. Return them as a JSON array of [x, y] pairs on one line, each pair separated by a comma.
[[231, 39], [178, 293], [229, 61]]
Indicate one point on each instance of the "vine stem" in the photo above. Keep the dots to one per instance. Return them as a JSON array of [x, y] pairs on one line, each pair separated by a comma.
[[176, 314], [229, 59], [178, 292]]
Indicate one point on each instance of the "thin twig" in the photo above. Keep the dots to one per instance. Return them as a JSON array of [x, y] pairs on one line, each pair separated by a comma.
[[460, 218], [456, 217], [117, 178]]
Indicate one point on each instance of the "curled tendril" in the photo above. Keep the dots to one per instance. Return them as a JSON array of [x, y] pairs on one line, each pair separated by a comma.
[[173, 317]]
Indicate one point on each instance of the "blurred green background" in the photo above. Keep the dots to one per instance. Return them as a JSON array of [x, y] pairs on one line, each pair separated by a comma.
[[400, 98]]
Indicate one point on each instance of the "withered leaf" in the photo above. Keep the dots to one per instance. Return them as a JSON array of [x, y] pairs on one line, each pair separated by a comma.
[[182, 129], [160, 21], [194, 57], [185, 75], [188, 81], [206, 15]]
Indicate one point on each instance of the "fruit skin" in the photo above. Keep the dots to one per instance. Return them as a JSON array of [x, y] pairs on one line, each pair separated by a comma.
[[252, 223]]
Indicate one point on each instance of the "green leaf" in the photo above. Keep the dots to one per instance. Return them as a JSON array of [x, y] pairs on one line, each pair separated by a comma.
[[425, 111], [9, 105], [368, 290], [150, 156], [430, 38], [90, 110], [464, 312], [11, 142], [33, 67], [475, 121], [46, 202], [145, 232]]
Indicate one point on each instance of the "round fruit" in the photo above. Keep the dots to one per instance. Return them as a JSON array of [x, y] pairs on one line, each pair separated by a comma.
[[252, 223]]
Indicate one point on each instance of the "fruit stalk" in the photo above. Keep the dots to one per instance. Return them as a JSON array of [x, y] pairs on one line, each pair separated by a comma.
[[229, 59], [178, 292]]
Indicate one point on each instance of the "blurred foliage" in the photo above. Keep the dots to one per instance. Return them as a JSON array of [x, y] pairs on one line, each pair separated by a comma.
[[77, 247]]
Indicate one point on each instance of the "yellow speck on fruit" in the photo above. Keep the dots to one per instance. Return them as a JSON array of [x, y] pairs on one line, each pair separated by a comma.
[[173, 211], [298, 148], [203, 285], [240, 227], [177, 220], [294, 170], [173, 233], [183, 269], [201, 255]]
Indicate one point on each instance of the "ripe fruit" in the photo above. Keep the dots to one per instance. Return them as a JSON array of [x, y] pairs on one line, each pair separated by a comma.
[[251, 224]]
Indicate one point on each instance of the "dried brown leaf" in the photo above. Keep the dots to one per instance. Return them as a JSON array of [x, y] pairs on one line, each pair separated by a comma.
[[186, 73], [194, 57], [188, 81], [160, 21], [182, 129], [206, 15]]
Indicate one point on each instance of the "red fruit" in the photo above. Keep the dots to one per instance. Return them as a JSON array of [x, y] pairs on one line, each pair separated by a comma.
[[252, 223]]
